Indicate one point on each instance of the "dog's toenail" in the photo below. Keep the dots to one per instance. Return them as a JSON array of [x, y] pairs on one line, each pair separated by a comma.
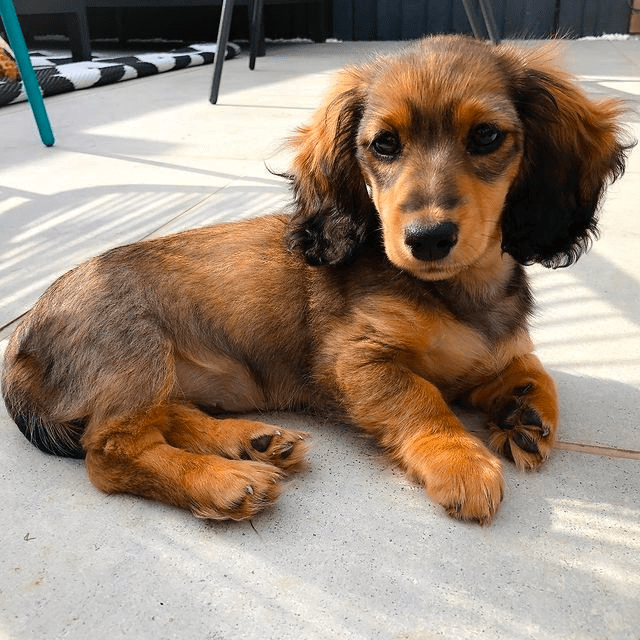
[[531, 417], [525, 442], [545, 431], [261, 443], [506, 450], [286, 452], [249, 489]]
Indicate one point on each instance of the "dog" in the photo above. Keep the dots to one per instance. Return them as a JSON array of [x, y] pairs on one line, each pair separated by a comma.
[[395, 287]]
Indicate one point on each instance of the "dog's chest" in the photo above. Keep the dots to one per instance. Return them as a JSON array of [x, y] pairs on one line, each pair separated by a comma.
[[460, 348], [449, 350]]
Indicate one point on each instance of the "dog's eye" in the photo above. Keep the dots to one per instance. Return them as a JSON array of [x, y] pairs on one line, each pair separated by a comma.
[[386, 144], [485, 138]]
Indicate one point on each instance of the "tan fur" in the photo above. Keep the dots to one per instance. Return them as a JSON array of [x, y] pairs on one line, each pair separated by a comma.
[[138, 351]]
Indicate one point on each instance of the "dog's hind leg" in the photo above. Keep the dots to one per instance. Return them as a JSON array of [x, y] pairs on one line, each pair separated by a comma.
[[132, 454], [235, 438]]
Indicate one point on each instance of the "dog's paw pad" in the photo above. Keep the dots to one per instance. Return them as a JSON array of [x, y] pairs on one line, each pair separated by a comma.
[[261, 443], [279, 447], [525, 442], [519, 431]]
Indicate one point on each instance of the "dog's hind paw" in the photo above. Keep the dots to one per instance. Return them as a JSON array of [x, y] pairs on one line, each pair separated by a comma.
[[241, 491], [280, 447]]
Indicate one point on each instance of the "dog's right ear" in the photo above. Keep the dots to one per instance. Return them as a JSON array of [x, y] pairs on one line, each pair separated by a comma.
[[332, 208]]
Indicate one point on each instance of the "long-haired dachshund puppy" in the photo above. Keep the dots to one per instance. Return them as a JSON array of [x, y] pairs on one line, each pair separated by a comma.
[[421, 186]]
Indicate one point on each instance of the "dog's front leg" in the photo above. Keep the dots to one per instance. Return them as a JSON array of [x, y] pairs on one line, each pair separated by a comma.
[[411, 420], [522, 405]]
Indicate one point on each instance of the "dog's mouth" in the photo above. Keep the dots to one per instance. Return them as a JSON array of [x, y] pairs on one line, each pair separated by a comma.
[[443, 269], [434, 271]]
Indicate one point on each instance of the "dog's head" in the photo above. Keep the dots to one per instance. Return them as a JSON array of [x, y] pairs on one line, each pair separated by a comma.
[[456, 150]]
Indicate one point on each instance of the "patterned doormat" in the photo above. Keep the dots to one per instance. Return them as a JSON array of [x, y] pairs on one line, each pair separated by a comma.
[[60, 75]]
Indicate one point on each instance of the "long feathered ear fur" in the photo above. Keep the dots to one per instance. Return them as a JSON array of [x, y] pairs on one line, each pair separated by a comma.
[[333, 213], [573, 148]]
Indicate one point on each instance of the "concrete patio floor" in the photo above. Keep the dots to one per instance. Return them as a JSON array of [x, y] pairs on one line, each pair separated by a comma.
[[352, 549]]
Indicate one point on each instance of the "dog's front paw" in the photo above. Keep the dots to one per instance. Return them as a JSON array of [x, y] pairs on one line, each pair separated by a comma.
[[463, 476], [523, 426]]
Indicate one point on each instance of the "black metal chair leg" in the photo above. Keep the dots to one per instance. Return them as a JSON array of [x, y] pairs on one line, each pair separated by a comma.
[[471, 18], [255, 17], [221, 47], [489, 21], [78, 32]]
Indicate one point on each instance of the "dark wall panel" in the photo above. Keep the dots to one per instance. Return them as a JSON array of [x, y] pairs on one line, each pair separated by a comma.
[[415, 17], [441, 16], [365, 24], [459, 20], [389, 20], [612, 16], [539, 18], [526, 18], [406, 19], [593, 17], [343, 19]]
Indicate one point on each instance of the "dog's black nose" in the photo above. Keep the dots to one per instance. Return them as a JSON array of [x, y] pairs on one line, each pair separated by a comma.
[[431, 242]]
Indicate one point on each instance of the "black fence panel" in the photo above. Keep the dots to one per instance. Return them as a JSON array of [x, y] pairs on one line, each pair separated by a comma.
[[406, 19], [593, 17]]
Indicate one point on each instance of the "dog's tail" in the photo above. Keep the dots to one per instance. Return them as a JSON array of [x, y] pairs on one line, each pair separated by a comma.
[[33, 407], [56, 438]]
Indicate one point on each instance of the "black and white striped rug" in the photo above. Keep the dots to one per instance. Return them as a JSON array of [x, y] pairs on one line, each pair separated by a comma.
[[59, 75]]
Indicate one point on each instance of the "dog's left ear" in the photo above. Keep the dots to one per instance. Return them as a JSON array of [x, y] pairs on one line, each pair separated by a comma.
[[333, 212], [573, 148]]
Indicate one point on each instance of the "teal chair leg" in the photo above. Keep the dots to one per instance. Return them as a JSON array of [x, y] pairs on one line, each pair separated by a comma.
[[31, 86]]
